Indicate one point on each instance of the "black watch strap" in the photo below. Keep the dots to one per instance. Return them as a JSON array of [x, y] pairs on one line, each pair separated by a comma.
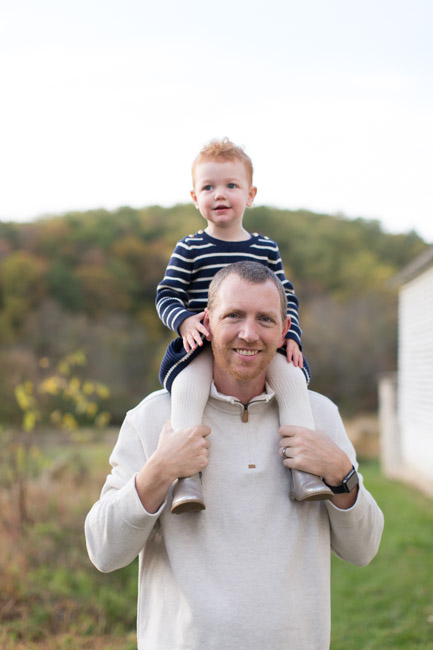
[[350, 481]]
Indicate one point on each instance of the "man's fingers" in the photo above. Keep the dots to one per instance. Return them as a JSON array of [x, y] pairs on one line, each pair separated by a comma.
[[203, 430], [289, 430]]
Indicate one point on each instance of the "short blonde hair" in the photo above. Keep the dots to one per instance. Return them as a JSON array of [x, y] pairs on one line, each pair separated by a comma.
[[251, 272], [221, 150]]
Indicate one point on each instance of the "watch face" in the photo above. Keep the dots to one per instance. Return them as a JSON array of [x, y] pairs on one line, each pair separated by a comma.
[[351, 481]]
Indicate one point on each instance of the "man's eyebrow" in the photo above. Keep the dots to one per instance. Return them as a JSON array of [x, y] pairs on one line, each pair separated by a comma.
[[269, 314]]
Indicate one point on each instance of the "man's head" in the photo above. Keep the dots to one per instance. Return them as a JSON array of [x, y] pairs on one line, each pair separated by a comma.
[[251, 272], [246, 318]]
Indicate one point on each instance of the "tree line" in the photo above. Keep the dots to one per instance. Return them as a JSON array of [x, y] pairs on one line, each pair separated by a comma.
[[88, 279]]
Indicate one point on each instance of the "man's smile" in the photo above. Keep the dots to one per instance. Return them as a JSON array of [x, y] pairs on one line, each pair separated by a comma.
[[246, 352]]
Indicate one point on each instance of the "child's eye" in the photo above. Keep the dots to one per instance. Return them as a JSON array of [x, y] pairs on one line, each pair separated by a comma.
[[207, 188], [231, 186]]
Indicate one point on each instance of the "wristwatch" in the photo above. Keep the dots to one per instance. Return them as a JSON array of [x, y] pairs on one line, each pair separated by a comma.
[[350, 481]]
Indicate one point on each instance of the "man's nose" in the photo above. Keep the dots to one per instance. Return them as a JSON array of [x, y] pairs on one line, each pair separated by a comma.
[[248, 331]]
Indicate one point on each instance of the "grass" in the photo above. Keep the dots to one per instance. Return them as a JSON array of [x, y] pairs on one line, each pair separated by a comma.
[[51, 598], [388, 604]]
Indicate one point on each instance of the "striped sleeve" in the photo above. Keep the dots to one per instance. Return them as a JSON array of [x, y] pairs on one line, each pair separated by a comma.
[[172, 292], [276, 265]]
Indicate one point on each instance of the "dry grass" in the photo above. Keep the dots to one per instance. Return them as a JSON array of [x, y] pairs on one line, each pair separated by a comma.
[[51, 596]]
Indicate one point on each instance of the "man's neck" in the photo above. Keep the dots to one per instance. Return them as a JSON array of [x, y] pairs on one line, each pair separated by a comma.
[[243, 391]]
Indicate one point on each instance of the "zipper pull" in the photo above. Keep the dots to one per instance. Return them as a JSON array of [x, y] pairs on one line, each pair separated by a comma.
[[245, 413]]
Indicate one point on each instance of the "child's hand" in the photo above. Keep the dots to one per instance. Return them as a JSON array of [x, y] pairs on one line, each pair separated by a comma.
[[294, 354], [190, 330]]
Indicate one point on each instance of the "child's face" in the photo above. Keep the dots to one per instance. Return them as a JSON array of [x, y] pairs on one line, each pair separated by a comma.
[[222, 191]]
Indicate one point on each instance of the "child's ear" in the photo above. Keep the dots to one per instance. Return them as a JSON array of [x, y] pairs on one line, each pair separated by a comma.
[[194, 198], [251, 196]]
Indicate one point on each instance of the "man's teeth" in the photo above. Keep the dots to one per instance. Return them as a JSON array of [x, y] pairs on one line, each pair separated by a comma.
[[247, 353]]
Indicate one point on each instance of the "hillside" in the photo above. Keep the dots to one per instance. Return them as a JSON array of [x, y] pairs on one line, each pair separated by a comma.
[[87, 280]]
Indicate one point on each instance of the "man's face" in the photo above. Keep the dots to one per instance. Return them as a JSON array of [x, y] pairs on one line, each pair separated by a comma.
[[246, 328]]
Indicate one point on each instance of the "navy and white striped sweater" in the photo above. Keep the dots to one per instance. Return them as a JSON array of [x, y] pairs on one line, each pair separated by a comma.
[[197, 258]]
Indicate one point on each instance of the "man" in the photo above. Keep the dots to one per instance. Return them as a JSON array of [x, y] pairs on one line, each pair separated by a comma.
[[252, 571]]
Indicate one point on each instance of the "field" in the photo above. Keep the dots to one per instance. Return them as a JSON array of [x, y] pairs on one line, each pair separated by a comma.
[[52, 598]]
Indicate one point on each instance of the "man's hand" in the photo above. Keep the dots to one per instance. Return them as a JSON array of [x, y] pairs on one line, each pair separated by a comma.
[[191, 329], [315, 452], [294, 354], [179, 453]]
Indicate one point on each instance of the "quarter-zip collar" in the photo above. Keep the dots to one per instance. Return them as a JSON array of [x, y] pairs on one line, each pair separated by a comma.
[[229, 403]]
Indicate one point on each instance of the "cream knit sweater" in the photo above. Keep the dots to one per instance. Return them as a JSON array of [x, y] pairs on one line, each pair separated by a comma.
[[252, 571]]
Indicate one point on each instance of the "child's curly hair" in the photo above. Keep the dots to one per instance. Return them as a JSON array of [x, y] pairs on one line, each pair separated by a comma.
[[221, 150]]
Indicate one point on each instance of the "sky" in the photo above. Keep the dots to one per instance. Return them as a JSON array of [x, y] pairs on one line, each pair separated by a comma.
[[105, 103]]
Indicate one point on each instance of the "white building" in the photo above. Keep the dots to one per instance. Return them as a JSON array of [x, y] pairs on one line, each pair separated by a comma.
[[406, 397]]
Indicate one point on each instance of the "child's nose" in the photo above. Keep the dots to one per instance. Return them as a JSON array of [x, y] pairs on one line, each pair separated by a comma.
[[219, 193]]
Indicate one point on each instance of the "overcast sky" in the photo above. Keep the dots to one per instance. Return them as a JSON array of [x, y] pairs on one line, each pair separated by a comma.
[[106, 102]]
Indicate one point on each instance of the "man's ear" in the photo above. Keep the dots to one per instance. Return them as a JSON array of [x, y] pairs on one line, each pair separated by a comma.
[[206, 323], [286, 327], [194, 198]]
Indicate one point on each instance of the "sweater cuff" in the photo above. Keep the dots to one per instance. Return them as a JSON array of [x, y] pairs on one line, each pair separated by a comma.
[[346, 517], [135, 515]]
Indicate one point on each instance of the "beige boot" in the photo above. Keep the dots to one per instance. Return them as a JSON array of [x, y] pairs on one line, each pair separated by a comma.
[[307, 487], [188, 495]]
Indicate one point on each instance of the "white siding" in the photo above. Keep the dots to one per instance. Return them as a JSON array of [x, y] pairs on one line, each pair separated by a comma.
[[416, 374]]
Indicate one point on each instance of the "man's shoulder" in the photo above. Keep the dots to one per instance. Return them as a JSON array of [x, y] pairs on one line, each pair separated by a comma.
[[321, 404], [158, 400]]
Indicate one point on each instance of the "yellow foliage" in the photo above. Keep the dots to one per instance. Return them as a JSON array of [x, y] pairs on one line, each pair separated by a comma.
[[69, 422], [102, 419], [73, 386], [91, 409], [56, 417], [77, 358], [52, 385], [30, 419], [88, 387], [102, 391], [24, 396], [63, 368]]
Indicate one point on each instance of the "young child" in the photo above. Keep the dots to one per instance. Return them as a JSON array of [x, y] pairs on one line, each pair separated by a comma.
[[222, 177]]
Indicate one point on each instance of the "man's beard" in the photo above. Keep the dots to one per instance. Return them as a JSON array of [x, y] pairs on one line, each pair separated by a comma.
[[224, 357]]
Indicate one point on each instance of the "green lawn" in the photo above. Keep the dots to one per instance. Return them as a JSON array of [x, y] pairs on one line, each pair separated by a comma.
[[388, 604], [51, 598]]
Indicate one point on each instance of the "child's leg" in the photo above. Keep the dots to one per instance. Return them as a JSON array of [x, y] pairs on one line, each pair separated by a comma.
[[291, 392], [189, 395], [190, 392]]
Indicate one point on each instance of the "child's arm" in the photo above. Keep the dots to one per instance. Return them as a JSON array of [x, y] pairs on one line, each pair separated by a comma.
[[293, 336], [172, 292], [191, 330], [294, 353]]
